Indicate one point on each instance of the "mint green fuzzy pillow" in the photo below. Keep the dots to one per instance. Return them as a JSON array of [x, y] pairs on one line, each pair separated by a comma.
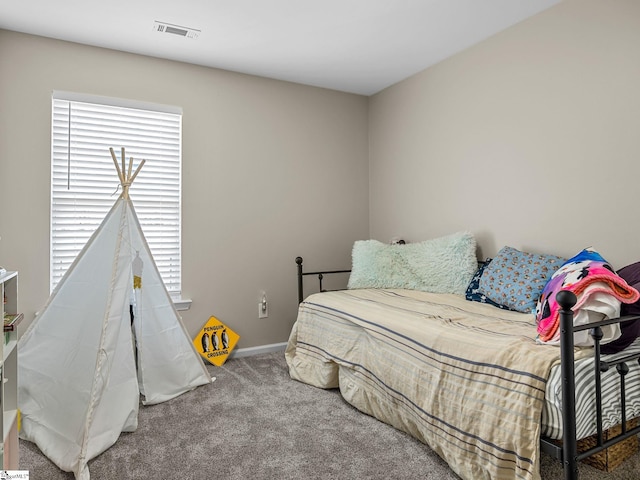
[[440, 265]]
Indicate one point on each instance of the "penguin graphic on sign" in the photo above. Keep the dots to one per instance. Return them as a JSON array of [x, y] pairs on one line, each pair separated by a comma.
[[225, 339], [215, 341], [205, 342]]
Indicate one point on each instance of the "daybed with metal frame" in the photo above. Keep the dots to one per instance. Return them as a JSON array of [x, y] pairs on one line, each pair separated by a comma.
[[567, 448]]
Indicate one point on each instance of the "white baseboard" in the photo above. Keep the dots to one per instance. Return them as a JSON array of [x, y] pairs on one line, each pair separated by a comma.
[[247, 352]]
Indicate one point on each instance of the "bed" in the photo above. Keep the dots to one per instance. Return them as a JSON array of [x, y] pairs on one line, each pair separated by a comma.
[[468, 379]]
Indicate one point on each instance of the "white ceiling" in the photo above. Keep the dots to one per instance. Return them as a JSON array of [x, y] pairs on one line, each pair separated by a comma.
[[358, 46]]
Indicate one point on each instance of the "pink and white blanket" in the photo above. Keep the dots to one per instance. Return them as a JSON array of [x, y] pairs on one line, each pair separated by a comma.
[[599, 291]]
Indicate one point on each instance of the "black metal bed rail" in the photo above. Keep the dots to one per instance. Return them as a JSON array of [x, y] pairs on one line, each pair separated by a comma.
[[320, 275], [568, 453], [600, 367]]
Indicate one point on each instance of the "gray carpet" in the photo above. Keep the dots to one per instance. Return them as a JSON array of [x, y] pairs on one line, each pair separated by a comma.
[[254, 422]]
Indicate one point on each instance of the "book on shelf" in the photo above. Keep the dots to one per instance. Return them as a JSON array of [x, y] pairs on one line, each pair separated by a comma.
[[11, 320]]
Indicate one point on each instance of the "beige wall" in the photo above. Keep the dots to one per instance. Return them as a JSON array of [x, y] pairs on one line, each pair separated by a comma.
[[271, 170], [529, 139]]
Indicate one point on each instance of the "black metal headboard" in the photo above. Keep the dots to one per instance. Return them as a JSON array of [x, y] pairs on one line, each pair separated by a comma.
[[319, 274]]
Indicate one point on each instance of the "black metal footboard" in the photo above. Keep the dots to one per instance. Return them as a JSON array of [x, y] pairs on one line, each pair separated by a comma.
[[568, 452]]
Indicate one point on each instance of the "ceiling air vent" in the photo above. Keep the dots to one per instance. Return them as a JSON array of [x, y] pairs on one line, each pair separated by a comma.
[[163, 27]]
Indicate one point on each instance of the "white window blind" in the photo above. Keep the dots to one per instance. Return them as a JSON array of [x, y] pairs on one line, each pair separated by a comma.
[[85, 185]]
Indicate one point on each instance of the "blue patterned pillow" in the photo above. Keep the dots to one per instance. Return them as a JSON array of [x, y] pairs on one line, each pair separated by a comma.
[[516, 279], [473, 293]]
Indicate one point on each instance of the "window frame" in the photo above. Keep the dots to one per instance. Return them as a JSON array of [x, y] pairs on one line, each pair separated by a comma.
[[89, 161]]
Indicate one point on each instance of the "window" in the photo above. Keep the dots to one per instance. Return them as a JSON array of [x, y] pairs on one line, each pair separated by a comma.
[[85, 185]]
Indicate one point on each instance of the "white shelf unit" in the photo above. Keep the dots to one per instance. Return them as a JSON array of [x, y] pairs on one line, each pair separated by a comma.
[[9, 370]]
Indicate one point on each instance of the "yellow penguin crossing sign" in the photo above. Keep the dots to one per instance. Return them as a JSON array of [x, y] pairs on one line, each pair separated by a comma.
[[215, 341]]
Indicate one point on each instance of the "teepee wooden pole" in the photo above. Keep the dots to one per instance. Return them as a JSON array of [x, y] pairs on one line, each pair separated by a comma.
[[130, 165], [115, 162], [135, 174], [123, 159]]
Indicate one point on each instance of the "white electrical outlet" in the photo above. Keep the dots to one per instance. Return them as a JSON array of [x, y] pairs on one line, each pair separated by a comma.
[[263, 307]]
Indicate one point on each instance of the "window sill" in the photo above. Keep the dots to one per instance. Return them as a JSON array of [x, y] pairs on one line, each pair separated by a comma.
[[182, 304]]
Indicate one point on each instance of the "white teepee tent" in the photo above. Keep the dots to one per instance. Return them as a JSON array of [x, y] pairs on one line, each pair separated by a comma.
[[80, 374]]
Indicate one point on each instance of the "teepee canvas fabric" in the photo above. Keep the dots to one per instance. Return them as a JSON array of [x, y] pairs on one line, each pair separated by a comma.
[[83, 363]]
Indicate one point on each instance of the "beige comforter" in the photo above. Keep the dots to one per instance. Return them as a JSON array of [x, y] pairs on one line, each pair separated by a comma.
[[466, 378]]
